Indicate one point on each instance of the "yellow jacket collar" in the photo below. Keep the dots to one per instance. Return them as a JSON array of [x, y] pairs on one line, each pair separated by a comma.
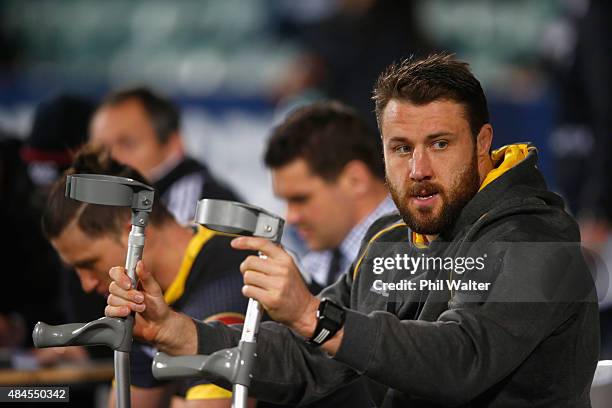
[[177, 287], [504, 159]]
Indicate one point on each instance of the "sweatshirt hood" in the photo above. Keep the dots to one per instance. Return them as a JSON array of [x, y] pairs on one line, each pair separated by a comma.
[[504, 159]]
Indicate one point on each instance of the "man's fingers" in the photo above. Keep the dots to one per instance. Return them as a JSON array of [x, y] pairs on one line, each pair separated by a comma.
[[133, 295], [147, 282], [262, 245], [254, 278], [118, 301], [116, 311], [256, 293], [118, 274], [261, 265]]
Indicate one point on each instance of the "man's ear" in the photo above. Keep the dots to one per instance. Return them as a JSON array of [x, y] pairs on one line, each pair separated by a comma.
[[484, 141], [174, 144], [355, 178]]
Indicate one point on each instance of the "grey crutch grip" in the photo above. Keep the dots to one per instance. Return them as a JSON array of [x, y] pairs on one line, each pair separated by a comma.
[[106, 331], [233, 364]]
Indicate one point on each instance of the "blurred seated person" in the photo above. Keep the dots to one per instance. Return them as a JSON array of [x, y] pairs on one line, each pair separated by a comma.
[[197, 270], [327, 166], [142, 129]]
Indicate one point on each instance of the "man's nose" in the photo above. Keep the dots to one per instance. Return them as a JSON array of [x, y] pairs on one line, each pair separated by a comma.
[[420, 166], [292, 215], [88, 282], [117, 153]]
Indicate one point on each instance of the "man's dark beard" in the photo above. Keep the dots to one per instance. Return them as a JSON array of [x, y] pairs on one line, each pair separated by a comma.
[[453, 201]]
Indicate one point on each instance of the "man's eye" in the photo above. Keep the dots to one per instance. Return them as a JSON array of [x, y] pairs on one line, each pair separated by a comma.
[[127, 143], [299, 199], [85, 265], [402, 149], [440, 144]]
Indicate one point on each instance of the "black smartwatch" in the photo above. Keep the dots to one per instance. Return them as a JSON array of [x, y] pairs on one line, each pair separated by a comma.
[[330, 319]]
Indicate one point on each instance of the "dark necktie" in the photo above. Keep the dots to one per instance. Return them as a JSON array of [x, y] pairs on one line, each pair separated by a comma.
[[334, 267]]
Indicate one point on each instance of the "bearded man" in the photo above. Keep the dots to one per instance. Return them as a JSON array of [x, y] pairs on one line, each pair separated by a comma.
[[473, 296]]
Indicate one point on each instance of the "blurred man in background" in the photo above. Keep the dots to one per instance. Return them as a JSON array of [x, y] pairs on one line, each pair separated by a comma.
[[327, 166], [142, 130]]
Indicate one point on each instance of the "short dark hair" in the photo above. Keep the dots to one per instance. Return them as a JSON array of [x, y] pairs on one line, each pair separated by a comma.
[[164, 115], [95, 220], [437, 77], [327, 135]]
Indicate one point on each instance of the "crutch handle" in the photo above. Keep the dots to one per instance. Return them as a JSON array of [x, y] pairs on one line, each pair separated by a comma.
[[233, 365], [107, 331], [167, 367]]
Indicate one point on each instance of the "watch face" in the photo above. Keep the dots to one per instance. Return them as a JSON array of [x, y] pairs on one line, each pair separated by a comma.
[[333, 312], [330, 318]]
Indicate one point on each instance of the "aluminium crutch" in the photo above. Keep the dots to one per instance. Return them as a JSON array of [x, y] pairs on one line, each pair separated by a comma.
[[232, 364], [115, 333]]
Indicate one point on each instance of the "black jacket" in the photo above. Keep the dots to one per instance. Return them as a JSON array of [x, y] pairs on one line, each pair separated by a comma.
[[530, 340]]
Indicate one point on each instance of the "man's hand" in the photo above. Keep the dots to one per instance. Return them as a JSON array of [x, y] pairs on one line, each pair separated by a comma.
[[155, 321], [277, 284]]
